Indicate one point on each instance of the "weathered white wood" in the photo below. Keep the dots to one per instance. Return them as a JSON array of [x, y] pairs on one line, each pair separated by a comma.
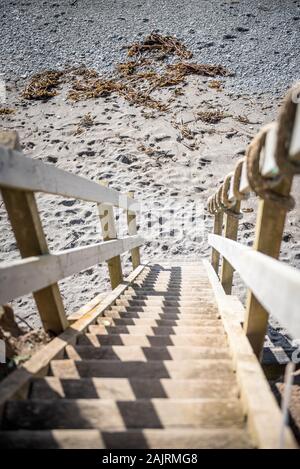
[[263, 414], [34, 273], [218, 228], [25, 220], [244, 184], [230, 232], [132, 231], [20, 172], [230, 192], [294, 152], [267, 162], [274, 284], [109, 232]]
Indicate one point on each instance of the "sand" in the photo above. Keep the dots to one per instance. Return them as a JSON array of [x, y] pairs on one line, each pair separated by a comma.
[[172, 172]]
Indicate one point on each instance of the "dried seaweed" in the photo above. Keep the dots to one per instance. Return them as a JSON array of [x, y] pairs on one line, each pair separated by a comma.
[[85, 122], [166, 80], [163, 44], [134, 80], [185, 68], [129, 68], [83, 71], [243, 119], [95, 88], [141, 99], [215, 84], [211, 117], [5, 111], [43, 85], [184, 130], [148, 150], [92, 88]]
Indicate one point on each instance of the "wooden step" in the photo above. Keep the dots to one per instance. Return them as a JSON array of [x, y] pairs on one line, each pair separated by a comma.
[[145, 294], [171, 290], [159, 330], [136, 353], [172, 438], [155, 315], [175, 276], [144, 290], [175, 282], [120, 415], [162, 302], [204, 310], [184, 369], [52, 387], [106, 321], [212, 340]]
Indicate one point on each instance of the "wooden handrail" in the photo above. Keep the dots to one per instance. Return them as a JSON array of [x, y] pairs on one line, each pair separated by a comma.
[[21, 277], [275, 284], [40, 270], [20, 172]]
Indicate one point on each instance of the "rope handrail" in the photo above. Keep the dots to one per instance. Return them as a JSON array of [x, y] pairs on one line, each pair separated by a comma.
[[271, 160], [265, 187]]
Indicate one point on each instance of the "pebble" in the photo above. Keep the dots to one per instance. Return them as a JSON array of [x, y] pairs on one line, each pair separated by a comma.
[[76, 34], [242, 29]]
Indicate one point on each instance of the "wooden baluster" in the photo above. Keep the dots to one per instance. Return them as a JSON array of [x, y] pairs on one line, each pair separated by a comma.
[[230, 232], [218, 226], [132, 230], [107, 219], [25, 220], [268, 236]]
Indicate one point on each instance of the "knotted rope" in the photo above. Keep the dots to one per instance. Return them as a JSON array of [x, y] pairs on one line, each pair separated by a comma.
[[237, 181], [218, 200], [262, 186], [228, 205], [210, 205], [225, 190], [285, 129]]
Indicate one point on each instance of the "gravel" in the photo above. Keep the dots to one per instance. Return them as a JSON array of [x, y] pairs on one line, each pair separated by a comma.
[[258, 40]]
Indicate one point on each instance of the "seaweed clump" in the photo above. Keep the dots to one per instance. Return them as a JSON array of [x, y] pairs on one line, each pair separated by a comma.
[[163, 44], [134, 79], [99, 87], [211, 117], [6, 111], [43, 85]]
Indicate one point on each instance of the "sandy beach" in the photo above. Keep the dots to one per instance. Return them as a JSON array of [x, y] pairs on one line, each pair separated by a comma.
[[172, 159]]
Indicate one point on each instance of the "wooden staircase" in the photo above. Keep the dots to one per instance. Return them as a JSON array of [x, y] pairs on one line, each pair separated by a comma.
[[169, 358], [155, 371]]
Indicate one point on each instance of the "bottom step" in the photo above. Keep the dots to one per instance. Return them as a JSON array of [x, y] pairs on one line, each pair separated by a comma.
[[108, 415], [51, 387], [230, 438]]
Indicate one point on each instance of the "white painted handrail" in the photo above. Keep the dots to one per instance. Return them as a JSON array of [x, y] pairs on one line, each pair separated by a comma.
[[20, 172], [21, 277], [274, 284]]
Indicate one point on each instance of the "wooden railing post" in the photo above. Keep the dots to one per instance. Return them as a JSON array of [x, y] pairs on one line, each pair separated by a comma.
[[269, 229], [109, 232], [218, 226], [230, 232], [24, 217], [132, 230]]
